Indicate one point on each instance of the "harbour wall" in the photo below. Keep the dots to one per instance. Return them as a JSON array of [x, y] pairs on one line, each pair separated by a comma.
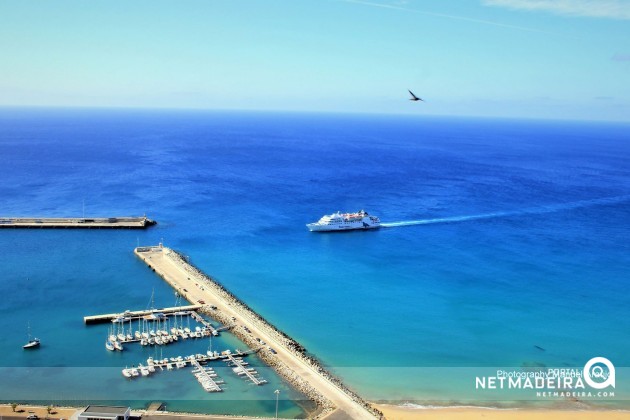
[[326, 406], [124, 222]]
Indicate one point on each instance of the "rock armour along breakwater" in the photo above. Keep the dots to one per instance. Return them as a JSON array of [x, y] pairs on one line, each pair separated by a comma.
[[291, 360]]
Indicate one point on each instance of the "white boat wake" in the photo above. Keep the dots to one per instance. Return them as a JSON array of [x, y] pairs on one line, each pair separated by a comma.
[[552, 208]]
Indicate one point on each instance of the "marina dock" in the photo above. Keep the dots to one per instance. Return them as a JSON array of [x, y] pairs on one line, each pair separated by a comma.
[[125, 222], [206, 376], [242, 369], [281, 352], [134, 315], [207, 325]]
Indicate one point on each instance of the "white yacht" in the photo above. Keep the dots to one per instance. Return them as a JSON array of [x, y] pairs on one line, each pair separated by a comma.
[[32, 342], [345, 221]]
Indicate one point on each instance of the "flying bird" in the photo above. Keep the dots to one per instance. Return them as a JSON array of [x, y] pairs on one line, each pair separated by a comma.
[[414, 97]]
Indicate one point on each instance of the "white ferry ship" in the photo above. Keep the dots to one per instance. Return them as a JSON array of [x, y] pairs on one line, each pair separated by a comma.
[[345, 221]]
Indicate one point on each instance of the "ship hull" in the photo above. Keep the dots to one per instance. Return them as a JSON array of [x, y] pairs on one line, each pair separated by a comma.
[[315, 227], [28, 346], [338, 222]]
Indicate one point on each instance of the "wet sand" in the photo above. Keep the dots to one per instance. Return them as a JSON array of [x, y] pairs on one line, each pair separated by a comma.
[[393, 412]]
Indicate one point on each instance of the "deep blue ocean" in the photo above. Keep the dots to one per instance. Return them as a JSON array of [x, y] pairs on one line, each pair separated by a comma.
[[508, 246]]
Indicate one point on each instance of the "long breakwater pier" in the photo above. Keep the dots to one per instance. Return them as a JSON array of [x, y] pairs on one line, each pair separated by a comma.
[[125, 222], [281, 352]]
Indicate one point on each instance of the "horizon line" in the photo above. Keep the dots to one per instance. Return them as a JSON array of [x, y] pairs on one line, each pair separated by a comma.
[[300, 111]]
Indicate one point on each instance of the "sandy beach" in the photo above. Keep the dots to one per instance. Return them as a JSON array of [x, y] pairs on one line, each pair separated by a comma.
[[39, 411], [393, 412]]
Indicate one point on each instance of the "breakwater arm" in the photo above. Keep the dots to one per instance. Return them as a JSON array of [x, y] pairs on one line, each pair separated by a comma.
[[288, 357], [77, 222]]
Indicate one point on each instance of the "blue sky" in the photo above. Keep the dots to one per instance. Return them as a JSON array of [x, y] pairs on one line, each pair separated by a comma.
[[509, 58]]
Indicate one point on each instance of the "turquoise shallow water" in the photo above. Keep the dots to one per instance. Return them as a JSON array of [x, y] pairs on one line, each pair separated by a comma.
[[72, 365], [533, 250]]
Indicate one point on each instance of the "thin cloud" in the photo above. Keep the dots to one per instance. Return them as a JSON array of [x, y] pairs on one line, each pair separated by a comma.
[[400, 6], [621, 57], [611, 9]]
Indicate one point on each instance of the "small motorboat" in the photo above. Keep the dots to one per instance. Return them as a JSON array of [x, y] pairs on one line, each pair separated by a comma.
[[33, 343]]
